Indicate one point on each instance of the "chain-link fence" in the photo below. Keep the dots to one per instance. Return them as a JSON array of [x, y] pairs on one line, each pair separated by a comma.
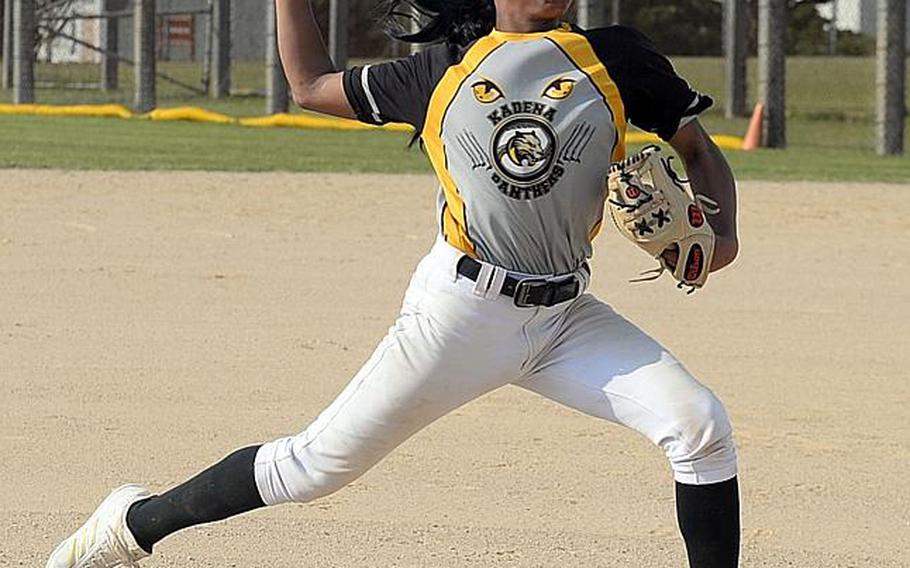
[[84, 51], [206, 52], [805, 60], [811, 63]]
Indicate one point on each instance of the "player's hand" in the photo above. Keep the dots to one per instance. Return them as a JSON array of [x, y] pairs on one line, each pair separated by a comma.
[[725, 251]]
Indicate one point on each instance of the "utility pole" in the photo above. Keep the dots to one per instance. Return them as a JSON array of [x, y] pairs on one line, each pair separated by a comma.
[[145, 94], [220, 83], [832, 30], [338, 32], [276, 85], [7, 67], [736, 24], [891, 77], [591, 13], [23, 51], [772, 70], [110, 62]]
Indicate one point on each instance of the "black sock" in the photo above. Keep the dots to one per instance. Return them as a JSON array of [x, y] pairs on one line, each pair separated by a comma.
[[226, 489], [709, 520]]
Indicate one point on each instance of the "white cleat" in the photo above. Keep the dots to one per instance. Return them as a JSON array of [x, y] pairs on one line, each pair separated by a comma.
[[104, 541]]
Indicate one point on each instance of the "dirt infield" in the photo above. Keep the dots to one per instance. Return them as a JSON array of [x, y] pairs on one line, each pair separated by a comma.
[[150, 323]]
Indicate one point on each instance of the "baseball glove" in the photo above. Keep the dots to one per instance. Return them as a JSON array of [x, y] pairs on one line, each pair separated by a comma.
[[655, 209]]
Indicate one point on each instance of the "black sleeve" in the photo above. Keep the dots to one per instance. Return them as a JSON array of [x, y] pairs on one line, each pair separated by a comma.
[[400, 90], [656, 99]]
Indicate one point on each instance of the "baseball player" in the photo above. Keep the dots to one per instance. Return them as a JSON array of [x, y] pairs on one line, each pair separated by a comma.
[[521, 116]]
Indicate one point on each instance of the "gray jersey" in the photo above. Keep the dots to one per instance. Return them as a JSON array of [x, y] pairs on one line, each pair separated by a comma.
[[521, 130]]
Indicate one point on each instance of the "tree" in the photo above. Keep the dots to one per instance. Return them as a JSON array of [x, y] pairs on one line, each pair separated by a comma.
[[678, 27], [807, 32]]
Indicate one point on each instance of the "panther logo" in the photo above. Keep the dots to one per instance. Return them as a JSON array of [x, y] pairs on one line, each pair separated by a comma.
[[524, 149]]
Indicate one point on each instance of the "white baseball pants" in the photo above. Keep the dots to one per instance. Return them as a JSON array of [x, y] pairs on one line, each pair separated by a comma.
[[456, 340]]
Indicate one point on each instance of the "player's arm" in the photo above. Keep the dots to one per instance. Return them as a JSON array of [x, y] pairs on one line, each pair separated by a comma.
[[658, 100], [710, 175], [314, 81]]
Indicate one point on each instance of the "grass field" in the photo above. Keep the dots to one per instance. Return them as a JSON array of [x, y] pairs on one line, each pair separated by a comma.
[[830, 129], [109, 144]]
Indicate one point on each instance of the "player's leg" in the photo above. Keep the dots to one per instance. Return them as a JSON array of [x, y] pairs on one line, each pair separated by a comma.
[[424, 370], [447, 348], [602, 365], [409, 381]]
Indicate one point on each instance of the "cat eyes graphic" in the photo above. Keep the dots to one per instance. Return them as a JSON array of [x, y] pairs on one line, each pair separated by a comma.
[[560, 89], [487, 92]]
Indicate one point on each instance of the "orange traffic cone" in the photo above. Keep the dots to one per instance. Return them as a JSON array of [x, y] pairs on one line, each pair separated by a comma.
[[753, 134]]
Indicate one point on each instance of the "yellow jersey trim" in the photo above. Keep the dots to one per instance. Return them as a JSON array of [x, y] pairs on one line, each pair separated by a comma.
[[454, 222], [579, 50], [581, 53]]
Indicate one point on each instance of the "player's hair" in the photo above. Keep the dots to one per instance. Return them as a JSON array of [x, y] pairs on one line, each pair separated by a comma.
[[456, 22]]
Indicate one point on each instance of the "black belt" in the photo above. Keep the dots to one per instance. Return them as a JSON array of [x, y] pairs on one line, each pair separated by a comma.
[[530, 292]]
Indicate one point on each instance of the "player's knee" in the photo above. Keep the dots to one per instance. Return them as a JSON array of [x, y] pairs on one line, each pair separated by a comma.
[[322, 484], [702, 450], [289, 472]]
